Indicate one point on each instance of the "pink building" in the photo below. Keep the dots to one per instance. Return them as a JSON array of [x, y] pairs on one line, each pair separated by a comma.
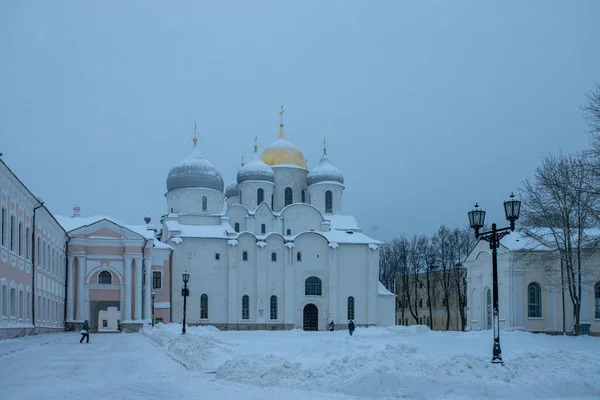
[[32, 263]]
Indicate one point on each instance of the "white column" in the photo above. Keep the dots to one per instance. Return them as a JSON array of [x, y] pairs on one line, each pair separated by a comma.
[[373, 285], [138, 288], [127, 305], [333, 294], [148, 293], [80, 290], [232, 312], [288, 297], [71, 293]]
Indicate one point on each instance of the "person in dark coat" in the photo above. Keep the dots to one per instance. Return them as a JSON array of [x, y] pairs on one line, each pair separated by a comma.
[[351, 327], [85, 332], [331, 326]]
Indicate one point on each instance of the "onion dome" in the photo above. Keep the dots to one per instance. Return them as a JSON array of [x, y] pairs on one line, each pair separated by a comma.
[[281, 151], [232, 190], [325, 171], [195, 171], [255, 170]]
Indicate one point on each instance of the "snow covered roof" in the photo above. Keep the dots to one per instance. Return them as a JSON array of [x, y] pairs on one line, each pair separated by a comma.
[[383, 291], [255, 170], [200, 231], [325, 171], [342, 222], [520, 241], [72, 223], [194, 171], [348, 237]]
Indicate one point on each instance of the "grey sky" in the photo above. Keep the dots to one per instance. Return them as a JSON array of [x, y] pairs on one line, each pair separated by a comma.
[[98, 99]]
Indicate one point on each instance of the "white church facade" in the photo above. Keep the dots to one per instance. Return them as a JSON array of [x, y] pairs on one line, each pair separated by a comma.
[[273, 250]]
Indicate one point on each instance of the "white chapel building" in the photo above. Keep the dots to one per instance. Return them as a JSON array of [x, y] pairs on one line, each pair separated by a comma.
[[273, 250]]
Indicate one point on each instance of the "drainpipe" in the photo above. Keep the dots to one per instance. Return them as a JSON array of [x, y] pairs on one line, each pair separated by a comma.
[[67, 283], [33, 265]]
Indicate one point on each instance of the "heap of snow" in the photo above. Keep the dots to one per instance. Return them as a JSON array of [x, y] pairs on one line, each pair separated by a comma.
[[392, 362]]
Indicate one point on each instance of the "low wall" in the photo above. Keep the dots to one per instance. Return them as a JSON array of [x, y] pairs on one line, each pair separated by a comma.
[[13, 333]]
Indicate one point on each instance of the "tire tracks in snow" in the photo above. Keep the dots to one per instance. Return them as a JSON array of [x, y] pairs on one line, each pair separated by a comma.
[[19, 350]]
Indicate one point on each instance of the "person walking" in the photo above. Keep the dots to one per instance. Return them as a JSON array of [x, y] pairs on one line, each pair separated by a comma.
[[85, 332], [351, 327], [331, 326]]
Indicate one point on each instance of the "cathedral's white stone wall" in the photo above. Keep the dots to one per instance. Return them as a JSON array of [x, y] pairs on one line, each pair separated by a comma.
[[190, 201], [288, 176], [317, 196]]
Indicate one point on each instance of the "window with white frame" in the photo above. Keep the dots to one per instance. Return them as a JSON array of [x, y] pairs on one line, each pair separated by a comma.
[[49, 258], [27, 244], [263, 228], [298, 256], [237, 227], [3, 227], [288, 195], [20, 239], [104, 278], [244, 255], [273, 256], [28, 305], [4, 301], [13, 302], [313, 286], [260, 196], [38, 256], [204, 203], [273, 307], [597, 300], [534, 300], [20, 305], [328, 202], [245, 307], [39, 308], [12, 233], [156, 280]]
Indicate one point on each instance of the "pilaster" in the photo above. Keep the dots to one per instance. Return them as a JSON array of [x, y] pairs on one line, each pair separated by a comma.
[[81, 312], [148, 289], [71, 289], [261, 267], [288, 297], [232, 310], [333, 285], [138, 289], [127, 277]]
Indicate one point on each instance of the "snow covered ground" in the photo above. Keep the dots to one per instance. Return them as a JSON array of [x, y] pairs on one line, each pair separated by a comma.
[[395, 362]]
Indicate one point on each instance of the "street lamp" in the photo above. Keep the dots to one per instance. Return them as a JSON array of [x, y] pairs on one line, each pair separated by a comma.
[[512, 208], [185, 292], [153, 294]]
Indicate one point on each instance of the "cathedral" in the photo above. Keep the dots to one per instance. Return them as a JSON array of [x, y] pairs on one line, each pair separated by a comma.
[[273, 250]]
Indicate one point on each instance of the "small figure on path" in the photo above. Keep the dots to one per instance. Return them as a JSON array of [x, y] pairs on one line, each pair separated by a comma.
[[85, 332], [351, 327], [331, 326]]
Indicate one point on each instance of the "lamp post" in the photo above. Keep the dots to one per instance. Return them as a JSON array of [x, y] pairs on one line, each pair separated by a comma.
[[185, 292], [512, 208], [153, 294]]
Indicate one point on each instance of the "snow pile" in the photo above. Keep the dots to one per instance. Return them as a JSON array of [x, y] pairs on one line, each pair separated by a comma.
[[199, 349], [394, 362]]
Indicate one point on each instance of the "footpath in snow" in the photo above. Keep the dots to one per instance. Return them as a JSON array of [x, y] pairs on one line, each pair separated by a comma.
[[394, 362]]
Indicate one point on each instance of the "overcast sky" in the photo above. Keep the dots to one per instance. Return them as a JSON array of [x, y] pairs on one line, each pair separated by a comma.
[[427, 106]]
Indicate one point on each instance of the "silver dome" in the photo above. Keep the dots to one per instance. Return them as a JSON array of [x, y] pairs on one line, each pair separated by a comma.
[[195, 171], [232, 190], [255, 170], [325, 171]]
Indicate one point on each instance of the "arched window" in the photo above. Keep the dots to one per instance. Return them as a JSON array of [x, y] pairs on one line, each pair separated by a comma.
[[597, 299], [288, 196], [303, 193], [488, 307], [245, 256], [204, 203], [312, 286], [237, 227], [328, 202], [534, 300], [273, 256], [105, 278], [260, 196], [350, 307], [263, 228], [273, 307], [289, 232], [204, 306], [298, 256], [245, 307]]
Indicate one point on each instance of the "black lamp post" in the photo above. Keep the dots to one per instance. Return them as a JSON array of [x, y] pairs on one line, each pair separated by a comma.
[[185, 292], [153, 294], [512, 208]]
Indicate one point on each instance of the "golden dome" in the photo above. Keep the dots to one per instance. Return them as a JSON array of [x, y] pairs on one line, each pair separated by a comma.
[[282, 151]]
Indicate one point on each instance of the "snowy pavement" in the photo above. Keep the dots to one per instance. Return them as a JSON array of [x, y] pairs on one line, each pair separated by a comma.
[[112, 366], [388, 363]]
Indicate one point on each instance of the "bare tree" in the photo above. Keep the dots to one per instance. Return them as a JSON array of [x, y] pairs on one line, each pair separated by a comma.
[[591, 112], [557, 209], [462, 243], [445, 262], [428, 257]]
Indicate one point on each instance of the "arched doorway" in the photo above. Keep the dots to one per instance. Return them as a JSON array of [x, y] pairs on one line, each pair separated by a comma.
[[311, 318], [96, 307]]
